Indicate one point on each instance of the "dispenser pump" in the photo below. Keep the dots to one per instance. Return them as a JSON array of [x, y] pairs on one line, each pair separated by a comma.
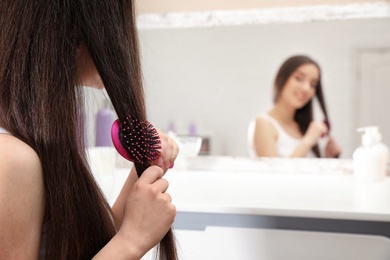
[[370, 135]]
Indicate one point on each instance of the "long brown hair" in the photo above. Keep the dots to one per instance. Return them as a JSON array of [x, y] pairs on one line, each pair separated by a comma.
[[40, 103], [121, 73], [304, 115]]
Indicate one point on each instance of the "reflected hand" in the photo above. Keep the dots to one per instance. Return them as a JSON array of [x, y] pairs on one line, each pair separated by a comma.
[[315, 131], [332, 149]]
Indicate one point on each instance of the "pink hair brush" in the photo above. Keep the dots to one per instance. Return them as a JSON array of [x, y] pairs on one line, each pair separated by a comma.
[[136, 141]]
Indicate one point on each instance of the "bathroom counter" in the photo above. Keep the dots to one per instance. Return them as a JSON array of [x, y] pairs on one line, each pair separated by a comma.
[[303, 195], [322, 208], [303, 188], [306, 195]]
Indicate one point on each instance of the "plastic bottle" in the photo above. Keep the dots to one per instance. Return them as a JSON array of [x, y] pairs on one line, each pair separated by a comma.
[[370, 159], [172, 129], [83, 128], [192, 129], [384, 150], [104, 120]]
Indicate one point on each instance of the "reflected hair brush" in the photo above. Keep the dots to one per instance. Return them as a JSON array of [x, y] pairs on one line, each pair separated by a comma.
[[139, 142]]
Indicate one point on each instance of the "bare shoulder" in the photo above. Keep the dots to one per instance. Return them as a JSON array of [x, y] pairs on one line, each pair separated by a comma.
[[262, 121], [22, 203], [264, 126], [20, 169], [18, 160]]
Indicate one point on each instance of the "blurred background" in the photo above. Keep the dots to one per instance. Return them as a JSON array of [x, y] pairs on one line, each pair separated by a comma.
[[209, 65]]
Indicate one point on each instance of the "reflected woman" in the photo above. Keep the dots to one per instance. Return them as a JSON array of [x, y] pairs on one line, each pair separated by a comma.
[[289, 128]]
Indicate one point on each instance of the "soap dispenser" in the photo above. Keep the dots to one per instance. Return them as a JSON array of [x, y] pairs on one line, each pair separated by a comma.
[[383, 149], [370, 159]]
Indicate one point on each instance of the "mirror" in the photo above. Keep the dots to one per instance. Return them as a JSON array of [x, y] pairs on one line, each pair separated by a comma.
[[220, 77]]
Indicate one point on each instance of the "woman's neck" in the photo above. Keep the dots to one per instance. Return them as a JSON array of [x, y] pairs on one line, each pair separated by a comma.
[[283, 112]]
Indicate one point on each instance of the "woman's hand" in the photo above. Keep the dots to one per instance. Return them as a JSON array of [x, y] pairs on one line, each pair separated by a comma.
[[148, 212], [332, 149], [315, 131], [169, 151]]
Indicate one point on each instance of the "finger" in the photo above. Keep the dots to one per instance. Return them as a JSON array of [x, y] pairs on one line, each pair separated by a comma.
[[165, 145], [151, 174], [324, 128], [169, 158], [163, 137], [169, 153], [167, 197], [161, 184], [175, 150]]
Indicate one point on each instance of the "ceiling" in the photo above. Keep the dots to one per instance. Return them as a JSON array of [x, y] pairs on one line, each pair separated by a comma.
[[187, 6]]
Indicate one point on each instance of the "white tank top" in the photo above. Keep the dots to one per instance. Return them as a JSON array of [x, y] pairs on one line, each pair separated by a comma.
[[285, 145], [3, 131]]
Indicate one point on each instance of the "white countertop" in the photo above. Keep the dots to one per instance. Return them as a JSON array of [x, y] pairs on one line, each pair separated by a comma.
[[299, 195], [327, 192]]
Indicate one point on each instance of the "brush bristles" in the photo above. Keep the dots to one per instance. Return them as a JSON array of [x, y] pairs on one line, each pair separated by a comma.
[[141, 140]]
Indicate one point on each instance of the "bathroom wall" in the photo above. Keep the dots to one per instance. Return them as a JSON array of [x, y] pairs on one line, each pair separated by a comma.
[[221, 77]]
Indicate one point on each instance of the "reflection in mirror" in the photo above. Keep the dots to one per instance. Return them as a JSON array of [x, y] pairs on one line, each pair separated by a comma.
[[219, 78]]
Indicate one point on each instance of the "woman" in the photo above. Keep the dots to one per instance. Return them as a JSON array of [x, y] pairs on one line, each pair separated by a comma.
[[288, 129], [50, 205]]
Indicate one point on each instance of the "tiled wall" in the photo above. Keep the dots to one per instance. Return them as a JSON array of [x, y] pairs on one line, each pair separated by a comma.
[[221, 77]]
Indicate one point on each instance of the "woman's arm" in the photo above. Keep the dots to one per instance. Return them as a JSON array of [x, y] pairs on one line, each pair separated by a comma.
[[147, 216], [314, 132], [117, 208], [22, 202], [143, 212], [332, 149], [265, 137], [302, 150]]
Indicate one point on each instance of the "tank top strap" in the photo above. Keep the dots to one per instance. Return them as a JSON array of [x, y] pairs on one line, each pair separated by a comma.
[[273, 122], [3, 131]]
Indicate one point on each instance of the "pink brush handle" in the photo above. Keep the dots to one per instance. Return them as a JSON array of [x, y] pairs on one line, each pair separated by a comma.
[[117, 143]]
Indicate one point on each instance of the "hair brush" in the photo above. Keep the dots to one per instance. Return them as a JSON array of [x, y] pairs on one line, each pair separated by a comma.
[[139, 142]]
